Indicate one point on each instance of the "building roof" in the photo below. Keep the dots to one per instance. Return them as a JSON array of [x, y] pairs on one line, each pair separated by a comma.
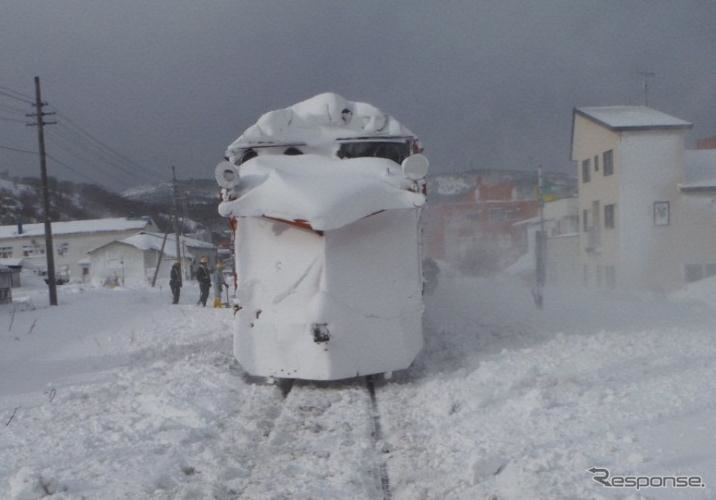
[[619, 118], [16, 262], [153, 241], [77, 227]]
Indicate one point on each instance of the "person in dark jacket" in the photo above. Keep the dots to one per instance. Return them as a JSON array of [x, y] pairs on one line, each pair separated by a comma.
[[203, 276], [175, 282]]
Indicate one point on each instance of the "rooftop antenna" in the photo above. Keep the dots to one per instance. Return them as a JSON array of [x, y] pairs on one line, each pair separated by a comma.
[[646, 75]]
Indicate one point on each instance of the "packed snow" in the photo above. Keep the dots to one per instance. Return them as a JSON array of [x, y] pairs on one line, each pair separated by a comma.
[[326, 193], [319, 120], [116, 393]]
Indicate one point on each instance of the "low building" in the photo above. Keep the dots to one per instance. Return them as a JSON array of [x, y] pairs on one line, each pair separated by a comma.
[[5, 285], [15, 266], [71, 241], [135, 260]]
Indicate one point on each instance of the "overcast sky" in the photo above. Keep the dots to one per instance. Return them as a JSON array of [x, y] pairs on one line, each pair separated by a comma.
[[485, 84]]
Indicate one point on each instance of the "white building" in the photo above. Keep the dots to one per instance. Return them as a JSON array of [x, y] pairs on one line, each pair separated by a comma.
[[5, 285], [133, 260], [71, 241], [641, 226]]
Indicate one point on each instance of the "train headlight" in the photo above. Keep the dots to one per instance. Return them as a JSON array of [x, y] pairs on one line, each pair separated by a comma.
[[227, 175], [415, 167]]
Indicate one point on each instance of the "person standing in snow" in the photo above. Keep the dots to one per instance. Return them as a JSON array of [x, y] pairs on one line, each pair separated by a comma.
[[203, 276], [219, 283], [175, 282]]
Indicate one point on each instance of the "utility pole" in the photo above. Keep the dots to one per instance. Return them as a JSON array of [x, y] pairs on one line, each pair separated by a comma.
[[540, 245], [176, 217], [646, 75], [49, 250]]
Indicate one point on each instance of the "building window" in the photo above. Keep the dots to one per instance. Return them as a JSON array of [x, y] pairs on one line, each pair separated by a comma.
[[609, 216], [585, 275], [608, 162], [694, 272], [63, 248], [662, 213], [5, 252], [585, 220], [32, 250], [709, 270], [586, 165], [610, 274], [596, 163], [496, 214]]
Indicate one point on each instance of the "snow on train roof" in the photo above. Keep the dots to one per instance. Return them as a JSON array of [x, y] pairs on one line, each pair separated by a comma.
[[327, 193], [321, 119]]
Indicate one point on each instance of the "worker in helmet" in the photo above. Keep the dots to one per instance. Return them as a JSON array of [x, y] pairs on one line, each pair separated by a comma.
[[219, 283], [203, 276]]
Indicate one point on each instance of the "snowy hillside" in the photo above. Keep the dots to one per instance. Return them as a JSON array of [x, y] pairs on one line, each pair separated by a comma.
[[118, 394]]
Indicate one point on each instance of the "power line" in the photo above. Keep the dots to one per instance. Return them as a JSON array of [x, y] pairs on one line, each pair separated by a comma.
[[110, 172], [8, 119], [28, 97], [73, 170], [7, 94], [120, 155], [18, 150], [99, 155], [12, 109]]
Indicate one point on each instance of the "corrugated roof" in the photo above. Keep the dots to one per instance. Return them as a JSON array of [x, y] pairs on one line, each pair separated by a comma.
[[631, 117], [76, 227]]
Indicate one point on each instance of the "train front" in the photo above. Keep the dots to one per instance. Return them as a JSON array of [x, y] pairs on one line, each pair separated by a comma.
[[327, 196]]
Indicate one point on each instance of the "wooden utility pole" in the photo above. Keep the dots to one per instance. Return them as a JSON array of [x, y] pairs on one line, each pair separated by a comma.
[[176, 218], [49, 250], [540, 245]]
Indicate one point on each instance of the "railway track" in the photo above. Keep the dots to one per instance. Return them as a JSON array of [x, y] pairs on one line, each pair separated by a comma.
[[325, 442]]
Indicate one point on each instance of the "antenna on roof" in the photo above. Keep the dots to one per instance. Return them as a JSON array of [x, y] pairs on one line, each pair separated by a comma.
[[646, 75]]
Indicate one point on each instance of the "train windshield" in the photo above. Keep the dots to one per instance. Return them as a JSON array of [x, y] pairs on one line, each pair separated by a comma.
[[396, 151]]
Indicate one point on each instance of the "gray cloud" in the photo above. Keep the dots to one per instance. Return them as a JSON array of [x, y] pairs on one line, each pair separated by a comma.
[[484, 83]]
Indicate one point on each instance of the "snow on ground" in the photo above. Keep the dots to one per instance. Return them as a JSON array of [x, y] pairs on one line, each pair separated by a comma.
[[118, 394], [510, 402]]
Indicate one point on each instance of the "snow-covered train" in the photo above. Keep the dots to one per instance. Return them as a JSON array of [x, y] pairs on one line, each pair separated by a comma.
[[326, 196]]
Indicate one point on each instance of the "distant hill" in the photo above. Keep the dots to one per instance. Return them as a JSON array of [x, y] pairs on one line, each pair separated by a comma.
[[21, 199], [200, 191]]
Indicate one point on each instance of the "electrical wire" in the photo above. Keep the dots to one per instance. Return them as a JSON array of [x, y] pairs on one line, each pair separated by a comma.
[[111, 172], [7, 94], [12, 109], [9, 119], [18, 150], [2, 87], [98, 155], [129, 161]]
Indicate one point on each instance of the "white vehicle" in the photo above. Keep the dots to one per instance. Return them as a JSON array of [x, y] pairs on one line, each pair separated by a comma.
[[326, 196]]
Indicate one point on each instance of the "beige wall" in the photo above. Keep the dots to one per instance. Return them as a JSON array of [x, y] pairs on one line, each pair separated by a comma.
[[77, 247], [590, 140]]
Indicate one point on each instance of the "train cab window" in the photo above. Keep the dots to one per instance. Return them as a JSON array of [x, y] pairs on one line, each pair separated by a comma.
[[396, 151], [246, 156]]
